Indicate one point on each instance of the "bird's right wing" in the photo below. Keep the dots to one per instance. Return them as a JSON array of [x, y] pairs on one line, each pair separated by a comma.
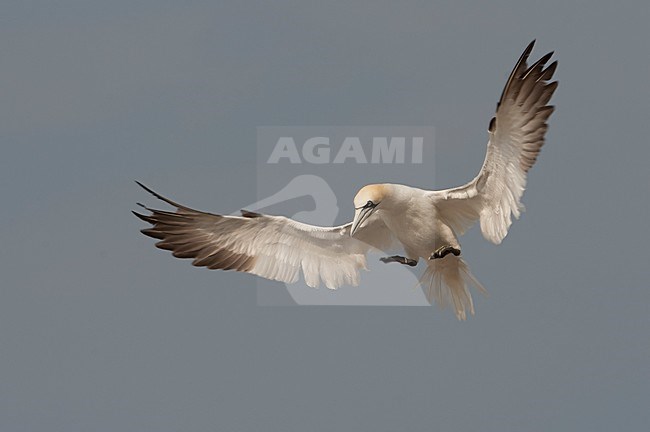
[[516, 137], [273, 247]]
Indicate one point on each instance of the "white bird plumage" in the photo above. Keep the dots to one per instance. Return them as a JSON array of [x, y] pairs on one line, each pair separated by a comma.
[[424, 223]]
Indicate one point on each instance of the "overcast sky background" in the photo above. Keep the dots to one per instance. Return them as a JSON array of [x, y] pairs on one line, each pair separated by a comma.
[[99, 331]]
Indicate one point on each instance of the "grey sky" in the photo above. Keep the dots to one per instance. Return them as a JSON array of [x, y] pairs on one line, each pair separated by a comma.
[[101, 332]]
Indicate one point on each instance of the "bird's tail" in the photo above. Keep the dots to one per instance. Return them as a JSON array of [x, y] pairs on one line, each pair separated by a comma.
[[447, 281]]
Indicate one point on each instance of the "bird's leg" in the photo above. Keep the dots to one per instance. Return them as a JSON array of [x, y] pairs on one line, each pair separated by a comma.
[[443, 251], [399, 259]]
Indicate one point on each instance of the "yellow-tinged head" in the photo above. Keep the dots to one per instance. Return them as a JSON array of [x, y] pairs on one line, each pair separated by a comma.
[[365, 203], [373, 193]]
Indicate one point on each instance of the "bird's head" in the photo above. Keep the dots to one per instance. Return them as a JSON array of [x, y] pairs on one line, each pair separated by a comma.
[[365, 204]]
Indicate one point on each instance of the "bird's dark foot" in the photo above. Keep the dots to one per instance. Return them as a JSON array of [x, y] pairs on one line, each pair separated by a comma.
[[399, 259], [443, 251]]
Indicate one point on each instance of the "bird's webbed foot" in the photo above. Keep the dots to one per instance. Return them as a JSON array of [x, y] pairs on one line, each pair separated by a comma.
[[443, 251], [399, 259]]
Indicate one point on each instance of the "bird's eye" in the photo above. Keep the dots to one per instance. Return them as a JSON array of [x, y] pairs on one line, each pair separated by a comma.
[[368, 205]]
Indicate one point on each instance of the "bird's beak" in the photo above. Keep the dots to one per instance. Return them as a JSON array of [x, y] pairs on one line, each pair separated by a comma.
[[360, 215]]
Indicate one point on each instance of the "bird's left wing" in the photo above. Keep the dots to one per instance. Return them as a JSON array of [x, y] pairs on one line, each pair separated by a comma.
[[516, 138], [273, 247]]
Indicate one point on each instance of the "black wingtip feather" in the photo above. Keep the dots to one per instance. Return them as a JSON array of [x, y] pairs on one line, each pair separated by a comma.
[[530, 46], [160, 197], [549, 71], [145, 218], [539, 64], [153, 233], [518, 65], [250, 214]]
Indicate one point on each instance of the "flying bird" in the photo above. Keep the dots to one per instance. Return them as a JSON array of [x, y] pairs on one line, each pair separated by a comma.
[[425, 224]]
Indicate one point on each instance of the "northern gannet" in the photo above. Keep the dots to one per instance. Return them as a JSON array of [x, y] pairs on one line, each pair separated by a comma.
[[425, 223]]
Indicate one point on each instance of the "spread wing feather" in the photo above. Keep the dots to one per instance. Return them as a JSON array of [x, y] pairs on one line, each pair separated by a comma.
[[273, 247], [516, 136]]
